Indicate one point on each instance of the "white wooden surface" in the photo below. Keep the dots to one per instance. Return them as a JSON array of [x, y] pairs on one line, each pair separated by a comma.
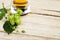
[[38, 27], [42, 6], [42, 24]]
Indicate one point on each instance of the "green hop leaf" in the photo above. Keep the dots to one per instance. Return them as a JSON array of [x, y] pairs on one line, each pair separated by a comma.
[[8, 27], [17, 19], [11, 19], [19, 11]]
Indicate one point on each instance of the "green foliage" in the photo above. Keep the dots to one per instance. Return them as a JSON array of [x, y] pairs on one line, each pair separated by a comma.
[[1, 16], [13, 20], [12, 23], [8, 27], [19, 11], [17, 19], [3, 11], [23, 31]]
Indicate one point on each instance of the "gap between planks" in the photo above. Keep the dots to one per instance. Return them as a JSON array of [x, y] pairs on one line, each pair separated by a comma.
[[45, 14]]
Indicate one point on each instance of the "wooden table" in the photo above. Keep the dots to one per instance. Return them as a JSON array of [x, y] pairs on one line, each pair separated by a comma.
[[38, 27], [43, 23]]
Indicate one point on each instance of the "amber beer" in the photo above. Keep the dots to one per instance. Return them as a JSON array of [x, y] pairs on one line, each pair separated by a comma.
[[20, 3]]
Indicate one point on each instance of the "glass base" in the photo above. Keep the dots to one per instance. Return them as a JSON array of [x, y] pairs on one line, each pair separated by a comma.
[[25, 11]]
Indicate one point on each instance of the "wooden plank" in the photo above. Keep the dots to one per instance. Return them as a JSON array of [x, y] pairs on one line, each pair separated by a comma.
[[42, 6], [16, 36]]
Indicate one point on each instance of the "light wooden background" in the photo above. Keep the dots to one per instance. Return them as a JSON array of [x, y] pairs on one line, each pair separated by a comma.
[[43, 23]]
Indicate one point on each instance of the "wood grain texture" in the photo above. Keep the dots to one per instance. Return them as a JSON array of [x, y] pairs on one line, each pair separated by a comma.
[[16, 36], [37, 26], [45, 6], [42, 24]]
